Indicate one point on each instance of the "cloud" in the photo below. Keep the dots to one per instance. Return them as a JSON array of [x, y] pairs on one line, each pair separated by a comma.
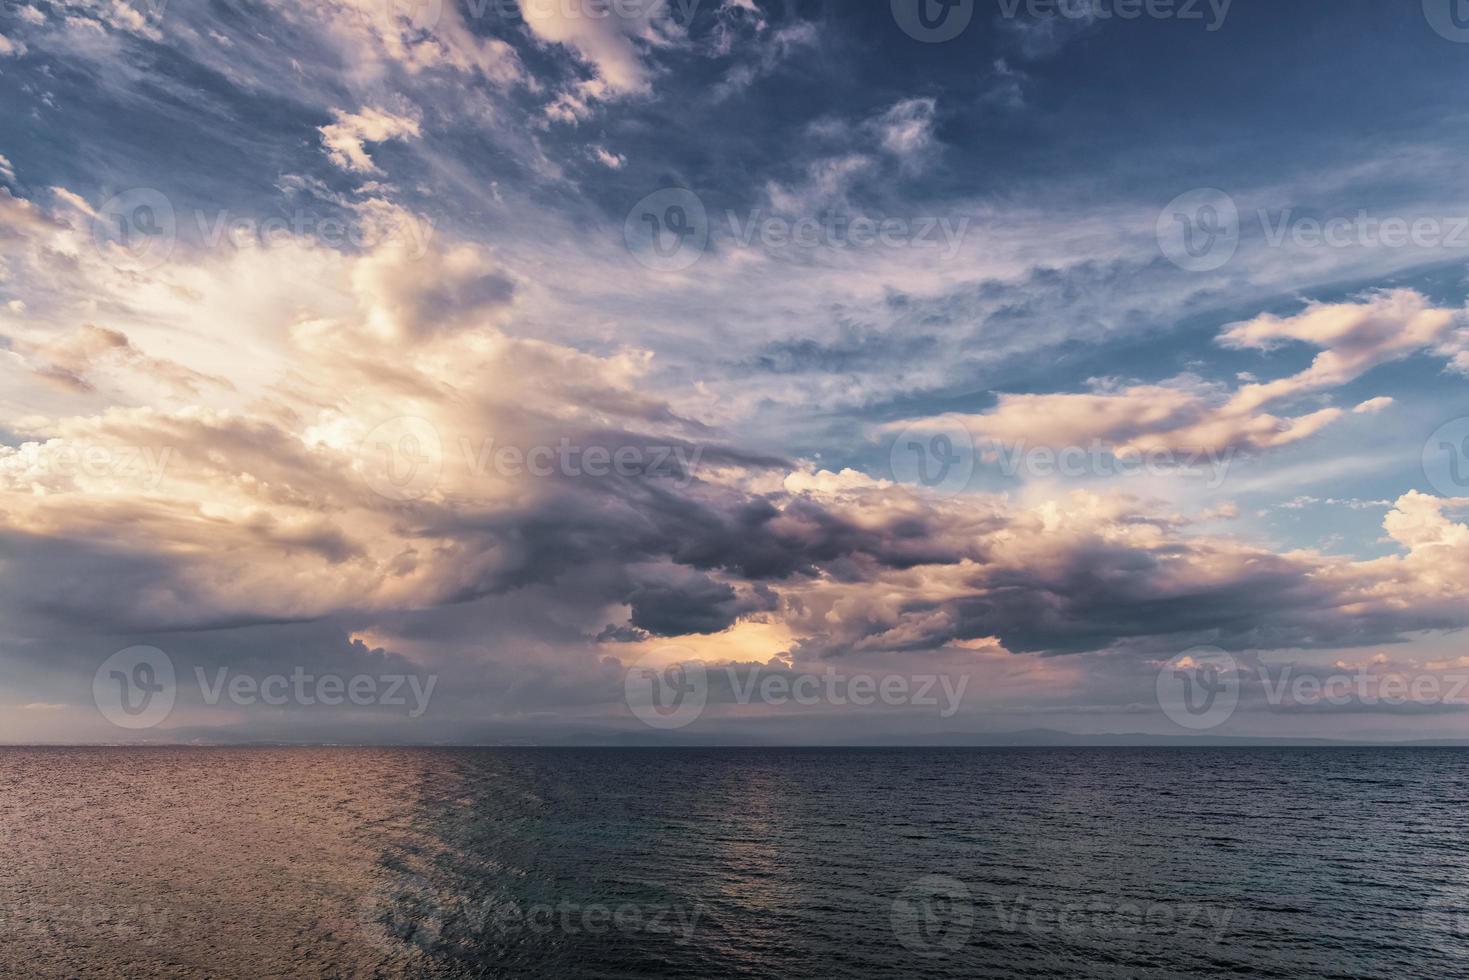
[[906, 130], [417, 38], [757, 46], [1355, 337], [611, 44], [91, 352], [344, 139], [454, 288], [1418, 521], [1186, 418], [1373, 406], [826, 185], [265, 509], [674, 601], [1007, 86], [613, 161], [260, 517], [266, 519], [1188, 415], [903, 131], [1044, 36], [1099, 572], [88, 17], [21, 219]]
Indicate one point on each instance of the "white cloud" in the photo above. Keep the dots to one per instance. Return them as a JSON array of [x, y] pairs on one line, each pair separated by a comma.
[[1373, 406], [345, 139], [614, 161], [906, 130], [612, 44], [418, 37], [1185, 418], [1355, 337], [1188, 415]]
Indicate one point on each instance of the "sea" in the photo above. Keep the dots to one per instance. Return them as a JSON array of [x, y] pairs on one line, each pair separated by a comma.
[[258, 862]]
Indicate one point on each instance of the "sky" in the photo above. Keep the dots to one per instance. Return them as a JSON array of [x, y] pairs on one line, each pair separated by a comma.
[[757, 371]]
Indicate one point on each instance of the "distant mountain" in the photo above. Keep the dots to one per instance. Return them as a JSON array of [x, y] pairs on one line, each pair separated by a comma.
[[629, 738]]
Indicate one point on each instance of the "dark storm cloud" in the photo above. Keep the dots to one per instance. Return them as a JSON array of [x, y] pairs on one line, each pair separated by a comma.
[[685, 604]]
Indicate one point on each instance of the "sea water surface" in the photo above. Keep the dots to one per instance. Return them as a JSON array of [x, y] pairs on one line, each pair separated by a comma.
[[348, 862]]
